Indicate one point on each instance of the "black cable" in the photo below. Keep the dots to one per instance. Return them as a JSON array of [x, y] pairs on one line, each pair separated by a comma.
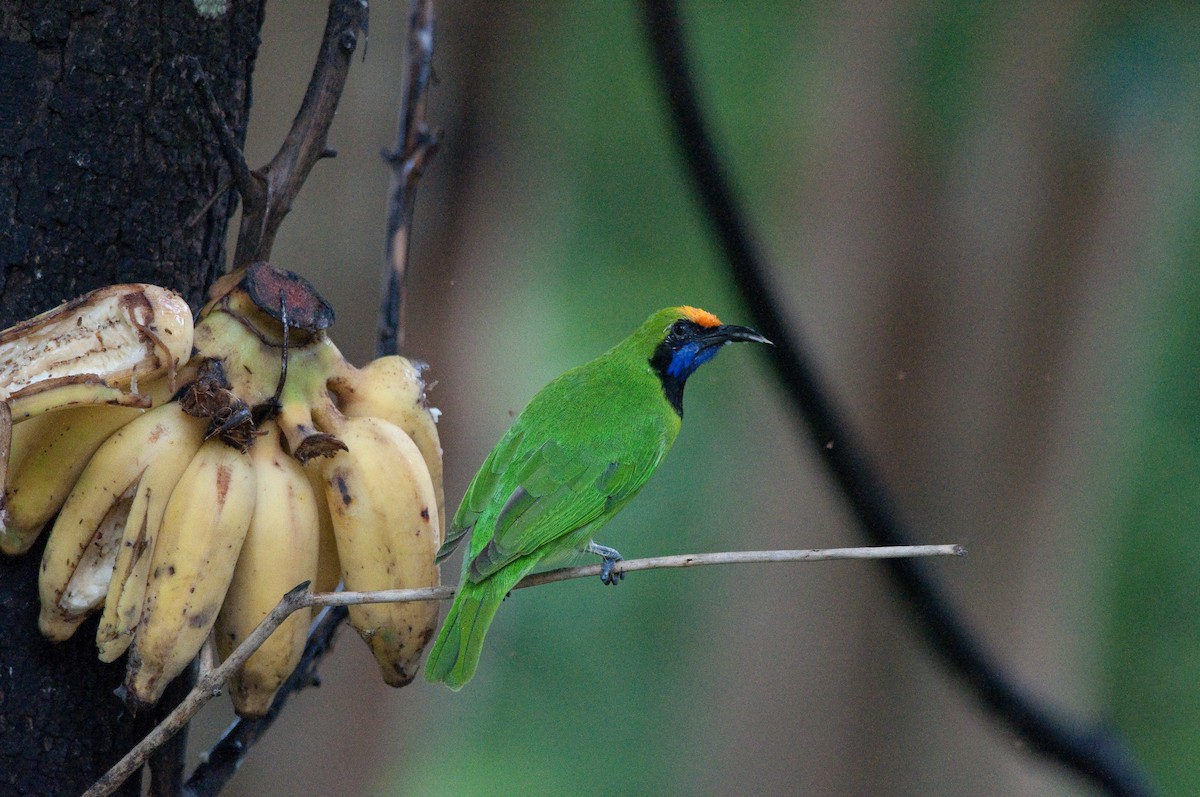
[[1091, 752]]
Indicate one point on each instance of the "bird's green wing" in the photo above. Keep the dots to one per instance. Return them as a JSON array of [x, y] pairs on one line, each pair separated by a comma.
[[480, 492], [559, 489]]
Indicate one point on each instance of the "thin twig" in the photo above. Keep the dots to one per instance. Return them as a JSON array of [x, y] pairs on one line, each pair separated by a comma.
[[227, 754], [652, 563], [415, 146], [209, 685], [194, 219], [206, 689], [166, 764], [224, 758], [1092, 753], [248, 185], [306, 141]]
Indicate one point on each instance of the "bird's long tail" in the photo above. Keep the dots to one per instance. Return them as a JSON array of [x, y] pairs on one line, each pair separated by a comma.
[[455, 653]]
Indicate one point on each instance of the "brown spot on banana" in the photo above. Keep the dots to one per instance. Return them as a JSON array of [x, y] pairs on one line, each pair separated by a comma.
[[224, 475], [339, 481], [202, 619]]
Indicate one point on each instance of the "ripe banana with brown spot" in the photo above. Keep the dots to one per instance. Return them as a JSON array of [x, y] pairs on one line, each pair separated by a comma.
[[280, 551], [202, 531], [49, 452], [392, 388], [329, 569], [131, 569], [100, 498], [385, 520]]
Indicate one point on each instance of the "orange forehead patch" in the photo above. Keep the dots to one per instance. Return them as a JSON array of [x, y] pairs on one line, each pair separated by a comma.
[[700, 317]]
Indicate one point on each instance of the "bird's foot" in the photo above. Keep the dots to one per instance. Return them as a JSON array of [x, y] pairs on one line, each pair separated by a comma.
[[611, 557]]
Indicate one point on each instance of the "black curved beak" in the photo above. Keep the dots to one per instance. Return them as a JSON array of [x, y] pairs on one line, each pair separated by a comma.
[[730, 333]]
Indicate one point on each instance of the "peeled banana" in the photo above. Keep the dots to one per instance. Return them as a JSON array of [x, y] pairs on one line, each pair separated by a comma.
[[116, 334], [179, 439]]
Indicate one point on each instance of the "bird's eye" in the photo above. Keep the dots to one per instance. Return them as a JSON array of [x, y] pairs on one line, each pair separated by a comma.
[[677, 329]]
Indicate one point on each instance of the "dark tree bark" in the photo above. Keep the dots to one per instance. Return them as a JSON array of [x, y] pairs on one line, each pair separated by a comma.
[[107, 163]]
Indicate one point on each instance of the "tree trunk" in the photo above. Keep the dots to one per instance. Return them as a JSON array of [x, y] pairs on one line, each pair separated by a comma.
[[107, 163]]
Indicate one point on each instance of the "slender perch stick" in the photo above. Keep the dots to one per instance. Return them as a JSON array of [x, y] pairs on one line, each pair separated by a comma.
[[653, 563], [209, 686]]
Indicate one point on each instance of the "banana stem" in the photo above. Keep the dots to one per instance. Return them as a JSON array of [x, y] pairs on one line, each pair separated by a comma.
[[209, 684]]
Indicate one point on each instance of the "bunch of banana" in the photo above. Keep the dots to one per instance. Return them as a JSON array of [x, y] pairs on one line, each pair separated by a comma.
[[71, 377], [98, 532], [277, 463], [369, 445]]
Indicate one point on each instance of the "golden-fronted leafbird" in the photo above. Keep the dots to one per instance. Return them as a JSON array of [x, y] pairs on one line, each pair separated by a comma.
[[578, 453]]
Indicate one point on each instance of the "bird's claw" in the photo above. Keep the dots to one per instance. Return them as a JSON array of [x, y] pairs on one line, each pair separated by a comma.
[[608, 575]]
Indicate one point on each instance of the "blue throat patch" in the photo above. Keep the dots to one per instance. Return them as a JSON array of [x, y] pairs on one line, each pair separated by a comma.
[[688, 358]]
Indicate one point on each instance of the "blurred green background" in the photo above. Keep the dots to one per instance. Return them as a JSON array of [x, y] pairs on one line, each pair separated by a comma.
[[982, 216]]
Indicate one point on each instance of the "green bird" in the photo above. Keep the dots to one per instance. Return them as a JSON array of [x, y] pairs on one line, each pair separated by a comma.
[[576, 455]]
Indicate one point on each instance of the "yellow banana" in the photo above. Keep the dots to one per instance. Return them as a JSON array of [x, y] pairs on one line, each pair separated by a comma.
[[27, 435], [393, 389], [74, 391], [49, 453], [385, 520], [329, 570], [131, 568], [280, 552], [202, 531], [104, 490], [249, 345]]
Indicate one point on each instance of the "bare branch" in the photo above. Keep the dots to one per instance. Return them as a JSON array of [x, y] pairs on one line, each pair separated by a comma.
[[224, 758], [209, 685], [305, 143], [415, 146], [249, 185], [653, 563]]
